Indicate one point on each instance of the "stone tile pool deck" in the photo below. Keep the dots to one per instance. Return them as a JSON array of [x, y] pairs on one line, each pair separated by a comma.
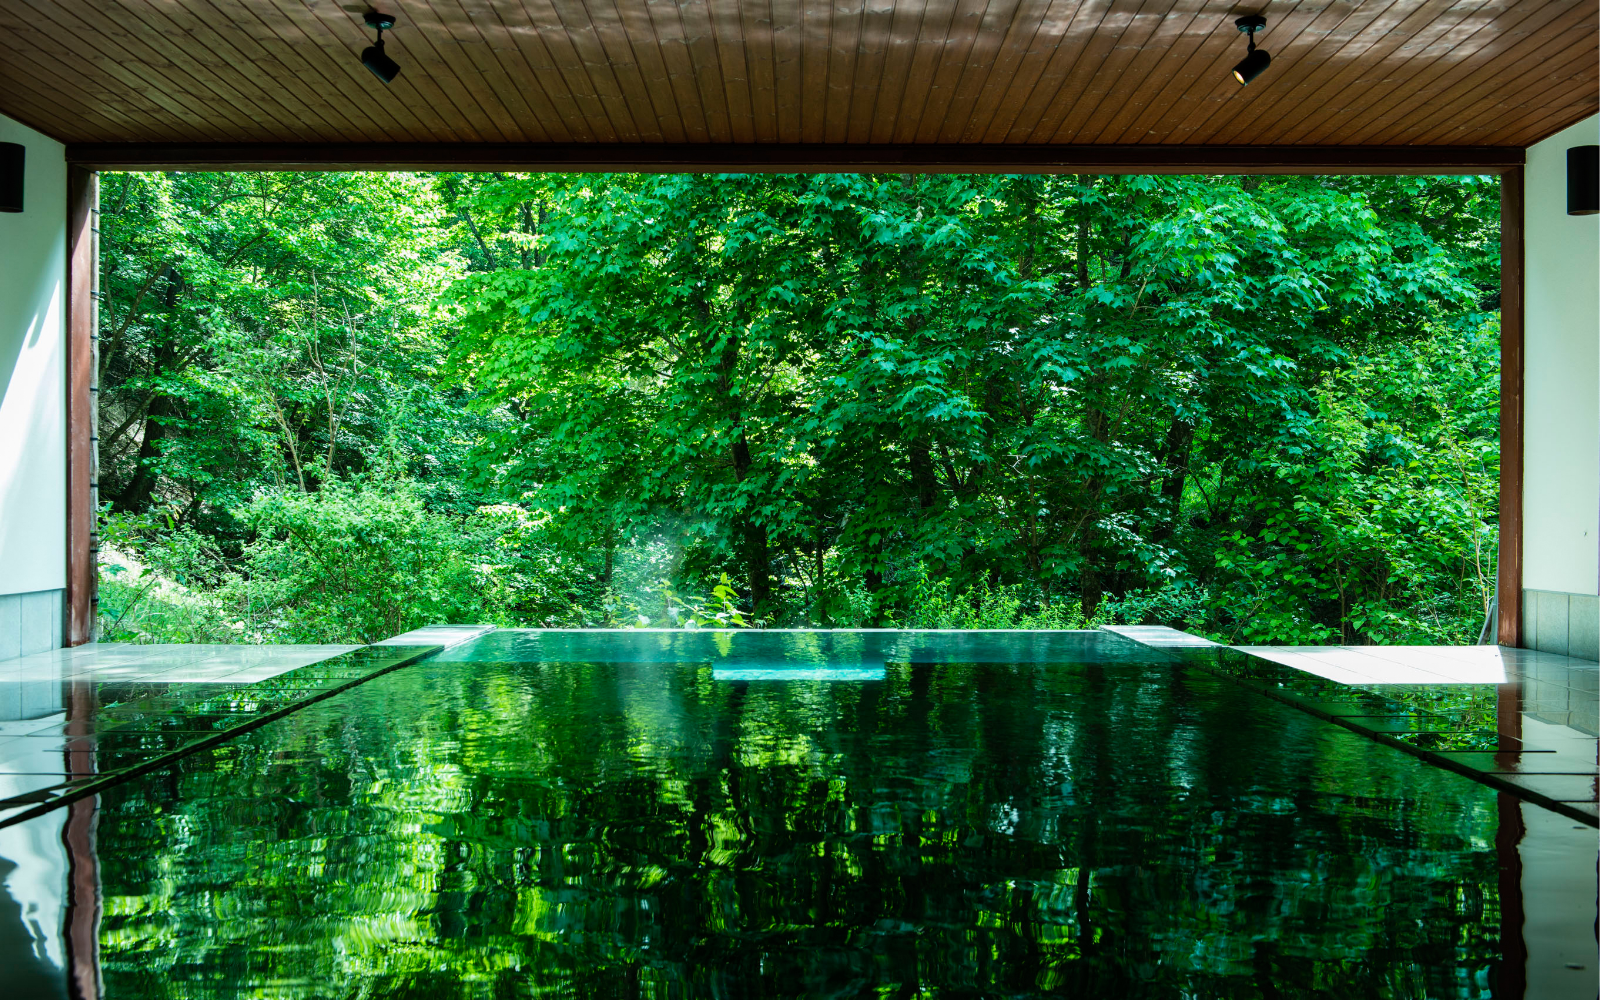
[[75, 721], [1522, 721]]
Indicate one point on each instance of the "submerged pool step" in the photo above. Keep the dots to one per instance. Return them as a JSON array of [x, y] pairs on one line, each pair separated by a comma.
[[758, 672], [152, 725]]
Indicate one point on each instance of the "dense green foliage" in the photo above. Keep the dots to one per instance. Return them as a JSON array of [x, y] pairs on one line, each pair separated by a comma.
[[1260, 408]]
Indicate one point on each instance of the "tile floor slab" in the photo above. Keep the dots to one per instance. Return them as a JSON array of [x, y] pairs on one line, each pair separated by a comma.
[[31, 754], [173, 662], [1301, 660], [1556, 737], [1460, 665], [1586, 682], [1355, 665], [12, 813], [1542, 693], [1587, 808], [30, 789], [445, 636], [1159, 636], [1526, 659], [180, 709], [66, 773], [1561, 787], [1446, 702], [1564, 719], [1527, 762], [92, 755]]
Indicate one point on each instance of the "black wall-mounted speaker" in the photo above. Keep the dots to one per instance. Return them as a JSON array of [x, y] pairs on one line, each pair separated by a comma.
[[1583, 180], [11, 163]]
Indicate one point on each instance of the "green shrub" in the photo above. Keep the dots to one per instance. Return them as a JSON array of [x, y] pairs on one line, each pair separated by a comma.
[[360, 561], [934, 603]]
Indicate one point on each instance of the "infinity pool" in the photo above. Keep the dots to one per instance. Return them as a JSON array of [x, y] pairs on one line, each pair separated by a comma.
[[749, 815]]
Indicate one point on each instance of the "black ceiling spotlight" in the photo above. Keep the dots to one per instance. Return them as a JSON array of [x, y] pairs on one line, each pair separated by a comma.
[[13, 158], [1583, 180], [1255, 61], [382, 66]]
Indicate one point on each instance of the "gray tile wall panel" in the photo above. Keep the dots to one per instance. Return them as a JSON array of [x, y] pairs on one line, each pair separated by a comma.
[[10, 626], [30, 623], [10, 700], [1530, 619], [1530, 602], [1556, 622], [37, 634], [1552, 622], [1583, 626]]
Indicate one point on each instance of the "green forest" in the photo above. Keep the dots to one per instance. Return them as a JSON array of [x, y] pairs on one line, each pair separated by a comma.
[[338, 406]]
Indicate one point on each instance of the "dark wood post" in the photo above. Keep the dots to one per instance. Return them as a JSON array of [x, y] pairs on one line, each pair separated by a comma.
[[1511, 978], [1509, 625], [83, 198], [81, 921]]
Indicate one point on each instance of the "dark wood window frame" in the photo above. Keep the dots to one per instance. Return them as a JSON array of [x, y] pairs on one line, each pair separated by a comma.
[[1512, 282], [83, 266], [85, 159]]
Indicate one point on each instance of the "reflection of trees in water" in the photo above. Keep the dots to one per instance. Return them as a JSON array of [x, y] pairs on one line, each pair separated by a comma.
[[644, 830]]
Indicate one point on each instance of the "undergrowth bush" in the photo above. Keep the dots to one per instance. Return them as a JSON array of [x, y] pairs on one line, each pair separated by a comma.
[[351, 562]]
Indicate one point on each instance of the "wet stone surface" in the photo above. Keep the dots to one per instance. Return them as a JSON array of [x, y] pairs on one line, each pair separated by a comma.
[[122, 713], [1094, 825]]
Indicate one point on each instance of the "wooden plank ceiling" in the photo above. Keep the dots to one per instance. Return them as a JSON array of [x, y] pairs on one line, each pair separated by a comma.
[[1083, 72]]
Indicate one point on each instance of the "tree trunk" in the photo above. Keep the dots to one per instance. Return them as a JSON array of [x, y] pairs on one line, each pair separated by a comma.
[[1093, 591], [922, 475], [758, 558], [135, 496], [752, 536], [1082, 254], [1180, 438]]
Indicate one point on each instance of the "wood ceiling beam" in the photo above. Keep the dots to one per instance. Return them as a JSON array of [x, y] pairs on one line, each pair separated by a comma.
[[798, 158]]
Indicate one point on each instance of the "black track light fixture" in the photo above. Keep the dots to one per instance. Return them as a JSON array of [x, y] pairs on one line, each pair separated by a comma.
[[1255, 61], [382, 66]]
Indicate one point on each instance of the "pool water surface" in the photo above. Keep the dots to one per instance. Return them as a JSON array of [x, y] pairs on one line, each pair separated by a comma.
[[878, 814]]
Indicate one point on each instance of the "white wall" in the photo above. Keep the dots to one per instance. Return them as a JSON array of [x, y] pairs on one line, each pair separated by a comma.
[[1561, 412], [33, 422]]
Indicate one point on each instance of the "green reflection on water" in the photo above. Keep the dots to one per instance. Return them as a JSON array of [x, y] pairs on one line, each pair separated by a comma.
[[642, 829]]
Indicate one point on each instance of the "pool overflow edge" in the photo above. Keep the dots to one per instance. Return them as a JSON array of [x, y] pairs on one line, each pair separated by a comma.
[[1179, 647], [403, 656], [1204, 654]]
